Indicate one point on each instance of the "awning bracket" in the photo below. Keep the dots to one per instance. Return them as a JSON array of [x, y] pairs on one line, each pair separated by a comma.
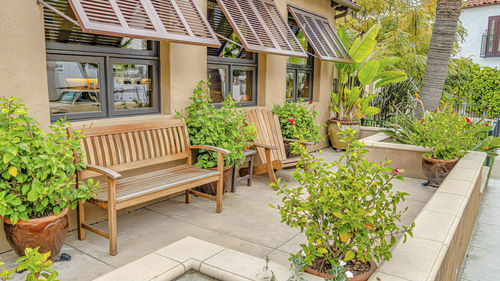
[[58, 12], [229, 40]]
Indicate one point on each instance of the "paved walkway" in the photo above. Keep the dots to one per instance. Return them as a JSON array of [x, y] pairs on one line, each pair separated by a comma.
[[247, 224], [482, 262]]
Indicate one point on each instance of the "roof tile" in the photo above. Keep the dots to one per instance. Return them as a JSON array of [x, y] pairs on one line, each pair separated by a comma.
[[477, 3]]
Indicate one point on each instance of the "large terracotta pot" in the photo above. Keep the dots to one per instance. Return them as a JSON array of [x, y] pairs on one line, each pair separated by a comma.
[[436, 170], [211, 188], [334, 131], [362, 277], [48, 233]]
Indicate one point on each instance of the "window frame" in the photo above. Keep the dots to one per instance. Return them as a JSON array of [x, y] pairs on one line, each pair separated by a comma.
[[496, 37], [69, 51]]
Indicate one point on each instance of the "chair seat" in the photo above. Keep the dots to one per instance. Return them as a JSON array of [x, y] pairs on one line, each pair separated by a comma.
[[290, 162], [134, 186]]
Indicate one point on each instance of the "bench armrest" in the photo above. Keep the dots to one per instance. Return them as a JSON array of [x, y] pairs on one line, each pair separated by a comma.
[[301, 142], [208, 147], [104, 171], [265, 146]]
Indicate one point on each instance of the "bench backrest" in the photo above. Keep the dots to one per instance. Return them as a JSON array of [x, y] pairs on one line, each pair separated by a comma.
[[127, 146], [268, 132]]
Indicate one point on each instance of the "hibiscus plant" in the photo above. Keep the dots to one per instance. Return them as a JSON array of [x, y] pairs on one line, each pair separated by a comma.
[[347, 208], [304, 117]]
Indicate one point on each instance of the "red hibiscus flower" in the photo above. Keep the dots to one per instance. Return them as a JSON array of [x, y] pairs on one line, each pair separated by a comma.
[[310, 102], [396, 171], [486, 124], [468, 120], [290, 119]]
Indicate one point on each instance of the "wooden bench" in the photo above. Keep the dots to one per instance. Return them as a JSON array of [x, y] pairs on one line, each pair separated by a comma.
[[112, 149]]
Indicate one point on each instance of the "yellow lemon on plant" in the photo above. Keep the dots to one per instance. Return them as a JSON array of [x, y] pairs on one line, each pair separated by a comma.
[[13, 171], [344, 237]]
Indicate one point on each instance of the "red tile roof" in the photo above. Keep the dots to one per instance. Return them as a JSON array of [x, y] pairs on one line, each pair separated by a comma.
[[477, 3]]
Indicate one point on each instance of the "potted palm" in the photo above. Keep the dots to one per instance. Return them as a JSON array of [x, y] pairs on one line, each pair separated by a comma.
[[348, 216], [304, 117], [222, 126], [352, 102], [36, 179]]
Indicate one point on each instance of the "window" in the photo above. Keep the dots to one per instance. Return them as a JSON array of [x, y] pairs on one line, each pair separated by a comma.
[[299, 73], [493, 37], [96, 76], [232, 71]]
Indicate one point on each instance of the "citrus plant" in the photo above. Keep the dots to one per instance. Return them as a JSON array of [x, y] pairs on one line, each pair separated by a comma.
[[223, 126], [349, 214], [304, 118], [37, 168], [351, 102]]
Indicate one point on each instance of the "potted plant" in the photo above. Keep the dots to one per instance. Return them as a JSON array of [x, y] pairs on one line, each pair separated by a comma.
[[352, 102], [223, 126], [304, 116], [36, 179], [447, 135], [349, 216]]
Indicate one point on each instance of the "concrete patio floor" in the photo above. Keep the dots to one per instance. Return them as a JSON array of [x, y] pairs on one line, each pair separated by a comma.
[[247, 224]]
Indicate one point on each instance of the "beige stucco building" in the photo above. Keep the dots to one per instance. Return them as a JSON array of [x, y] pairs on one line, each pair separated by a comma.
[[32, 58]]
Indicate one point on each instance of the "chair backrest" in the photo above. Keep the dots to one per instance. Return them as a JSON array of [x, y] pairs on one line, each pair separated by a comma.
[[127, 146], [268, 132]]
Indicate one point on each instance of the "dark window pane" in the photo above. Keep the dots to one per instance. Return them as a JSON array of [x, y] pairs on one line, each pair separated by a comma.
[[304, 85], [290, 84], [132, 86], [218, 81], [73, 87], [60, 30], [242, 86], [491, 35]]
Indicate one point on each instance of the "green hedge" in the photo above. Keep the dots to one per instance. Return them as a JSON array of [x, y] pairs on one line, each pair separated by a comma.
[[477, 86]]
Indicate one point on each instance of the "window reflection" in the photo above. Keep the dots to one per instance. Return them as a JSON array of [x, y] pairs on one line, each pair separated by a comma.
[[290, 84], [218, 82], [303, 85], [132, 86], [241, 89], [73, 87]]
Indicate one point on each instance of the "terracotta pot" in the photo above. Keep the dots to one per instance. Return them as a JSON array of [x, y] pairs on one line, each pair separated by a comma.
[[211, 188], [334, 131], [288, 151], [48, 233], [362, 277], [437, 170]]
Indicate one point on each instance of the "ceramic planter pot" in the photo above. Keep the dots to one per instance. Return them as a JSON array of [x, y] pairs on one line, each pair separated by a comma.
[[436, 170], [48, 233], [362, 277], [334, 131], [211, 188]]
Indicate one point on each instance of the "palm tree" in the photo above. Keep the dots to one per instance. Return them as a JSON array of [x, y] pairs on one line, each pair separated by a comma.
[[440, 49]]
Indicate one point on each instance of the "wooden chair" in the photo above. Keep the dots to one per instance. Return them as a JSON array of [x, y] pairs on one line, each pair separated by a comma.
[[270, 143], [111, 149]]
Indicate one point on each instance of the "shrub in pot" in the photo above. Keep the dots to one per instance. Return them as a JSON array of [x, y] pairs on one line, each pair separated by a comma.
[[36, 179], [349, 216], [304, 117], [447, 135], [223, 126], [351, 102]]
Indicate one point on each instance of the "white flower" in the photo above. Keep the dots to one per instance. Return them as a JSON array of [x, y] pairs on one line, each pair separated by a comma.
[[342, 263], [349, 274]]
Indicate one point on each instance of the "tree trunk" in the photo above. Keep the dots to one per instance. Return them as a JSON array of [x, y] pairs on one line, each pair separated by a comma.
[[440, 49]]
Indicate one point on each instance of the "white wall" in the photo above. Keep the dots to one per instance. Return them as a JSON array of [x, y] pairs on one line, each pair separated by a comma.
[[475, 20]]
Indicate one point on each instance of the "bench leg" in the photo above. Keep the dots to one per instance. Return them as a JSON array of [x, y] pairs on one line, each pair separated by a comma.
[[250, 171], [80, 220], [220, 191], [112, 228], [269, 164], [188, 196], [233, 182]]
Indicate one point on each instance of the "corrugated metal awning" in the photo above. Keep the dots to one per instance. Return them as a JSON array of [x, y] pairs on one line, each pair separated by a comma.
[[321, 35]]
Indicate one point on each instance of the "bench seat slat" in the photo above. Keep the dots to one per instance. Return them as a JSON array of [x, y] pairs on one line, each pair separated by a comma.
[[139, 185]]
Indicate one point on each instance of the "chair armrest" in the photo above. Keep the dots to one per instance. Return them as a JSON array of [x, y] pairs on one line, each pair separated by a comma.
[[265, 146], [301, 142], [104, 171], [209, 147]]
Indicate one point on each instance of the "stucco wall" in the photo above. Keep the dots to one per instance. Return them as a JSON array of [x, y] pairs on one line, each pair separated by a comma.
[[23, 72], [475, 21]]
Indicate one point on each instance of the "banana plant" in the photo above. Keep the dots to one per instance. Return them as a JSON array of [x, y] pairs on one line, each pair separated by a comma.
[[352, 101]]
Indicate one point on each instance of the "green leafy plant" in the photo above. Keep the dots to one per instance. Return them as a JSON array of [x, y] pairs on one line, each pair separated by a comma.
[[223, 126], [37, 168], [36, 263], [349, 214], [351, 102], [304, 118], [448, 135]]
